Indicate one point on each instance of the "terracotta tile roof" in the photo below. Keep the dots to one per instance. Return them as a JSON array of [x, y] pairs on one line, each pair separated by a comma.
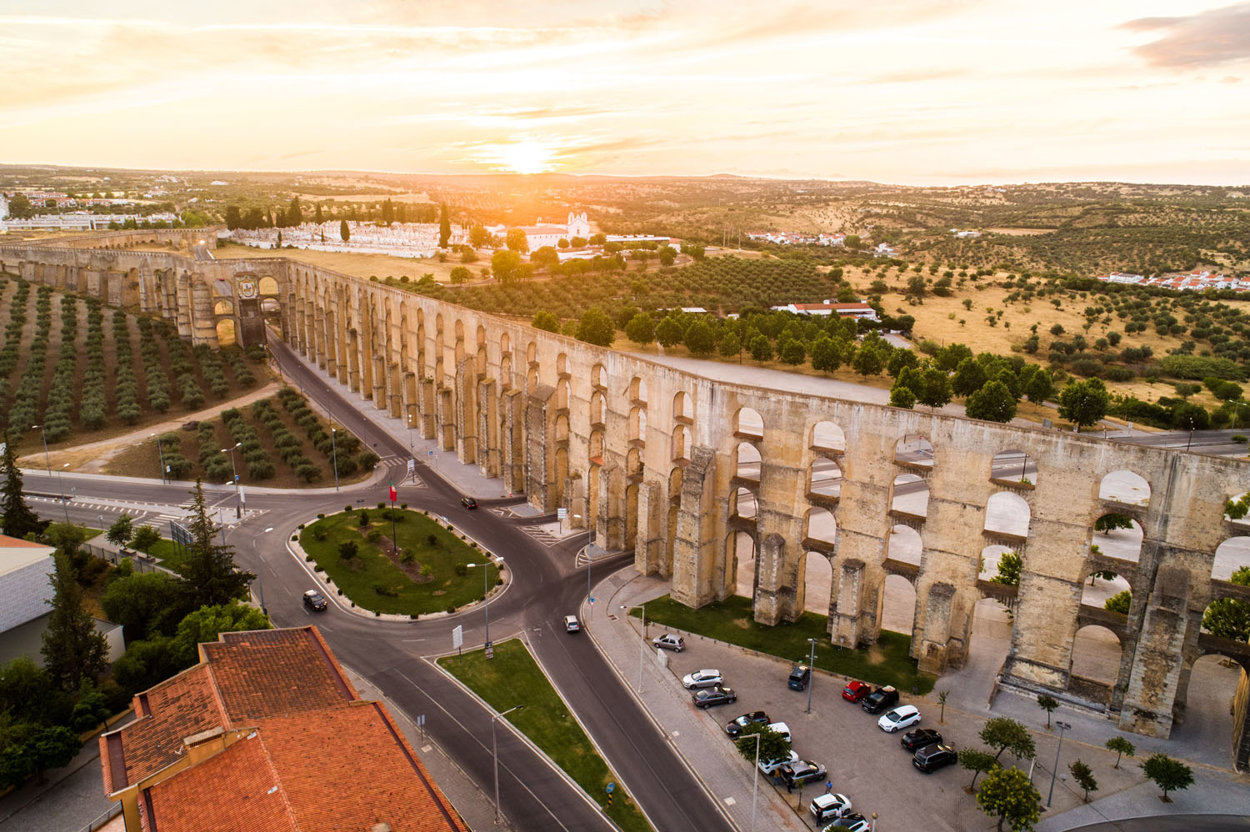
[[7, 542]]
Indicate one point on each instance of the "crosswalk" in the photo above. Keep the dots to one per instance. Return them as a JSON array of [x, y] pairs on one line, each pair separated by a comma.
[[541, 534], [149, 513]]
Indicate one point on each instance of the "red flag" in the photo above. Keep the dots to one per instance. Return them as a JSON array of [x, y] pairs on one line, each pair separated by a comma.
[[394, 493]]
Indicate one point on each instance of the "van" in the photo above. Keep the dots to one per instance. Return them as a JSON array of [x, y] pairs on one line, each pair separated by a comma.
[[800, 677]]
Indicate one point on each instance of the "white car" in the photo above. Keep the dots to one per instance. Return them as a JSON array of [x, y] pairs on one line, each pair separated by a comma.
[[829, 807], [896, 719], [669, 641], [702, 679], [769, 768], [780, 728], [571, 624]]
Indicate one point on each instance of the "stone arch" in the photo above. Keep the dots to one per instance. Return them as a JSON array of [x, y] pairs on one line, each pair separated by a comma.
[[898, 605], [226, 336], [596, 446], [683, 407], [460, 350], [1094, 667], [740, 552], [1207, 713], [680, 447], [904, 545], [816, 571], [1230, 556], [1116, 541], [562, 429], [748, 424], [599, 377], [990, 557], [1007, 513], [268, 287], [1098, 586], [638, 424], [1013, 467], [747, 462], [561, 473], [824, 480], [1241, 524], [638, 391], [909, 496], [598, 408], [914, 450], [562, 365], [505, 371], [633, 464], [820, 526], [631, 515], [562, 394], [1124, 487], [223, 306], [743, 504], [827, 437]]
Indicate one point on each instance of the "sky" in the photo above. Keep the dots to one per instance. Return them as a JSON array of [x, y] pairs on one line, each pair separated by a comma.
[[926, 92]]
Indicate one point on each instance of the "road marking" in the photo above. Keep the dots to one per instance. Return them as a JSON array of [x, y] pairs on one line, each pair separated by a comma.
[[729, 801]]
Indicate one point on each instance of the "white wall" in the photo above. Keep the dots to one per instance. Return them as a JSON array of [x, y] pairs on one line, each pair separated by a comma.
[[24, 593]]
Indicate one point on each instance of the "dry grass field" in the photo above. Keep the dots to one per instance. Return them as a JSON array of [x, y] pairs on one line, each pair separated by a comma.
[[380, 266]]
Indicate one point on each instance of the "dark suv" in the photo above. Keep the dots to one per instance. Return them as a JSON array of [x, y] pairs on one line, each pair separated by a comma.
[[933, 757], [800, 677], [880, 699], [315, 601]]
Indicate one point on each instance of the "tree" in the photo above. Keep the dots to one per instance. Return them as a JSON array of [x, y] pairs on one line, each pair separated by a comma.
[[792, 352], [1005, 734], [700, 339], [1230, 617], [234, 217], [294, 214], [1168, 774], [444, 226], [1048, 704], [1121, 602], [1009, 568], [1008, 794], [900, 359], [1084, 403], [969, 377], [761, 348], [993, 403], [978, 761], [19, 520], [72, 648], [207, 623], [121, 531], [773, 746], [826, 354], [935, 388], [669, 332], [20, 207], [546, 321], [916, 286], [517, 241], [145, 604], [942, 697], [867, 362], [460, 274], [729, 344], [596, 327], [1122, 748], [1111, 522], [53, 746], [344, 232], [146, 663], [1084, 777], [640, 329], [209, 567], [545, 257], [145, 538], [479, 237], [668, 255], [1039, 387], [902, 396], [506, 264]]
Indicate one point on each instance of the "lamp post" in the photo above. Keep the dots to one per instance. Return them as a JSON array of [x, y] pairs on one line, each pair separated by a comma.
[[486, 591], [61, 487], [160, 452], [1190, 440], [811, 679], [494, 745], [755, 785], [1062, 726], [335, 448], [238, 505], [642, 643], [46, 458]]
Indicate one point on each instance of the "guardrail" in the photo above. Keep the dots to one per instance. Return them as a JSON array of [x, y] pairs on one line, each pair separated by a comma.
[[113, 811]]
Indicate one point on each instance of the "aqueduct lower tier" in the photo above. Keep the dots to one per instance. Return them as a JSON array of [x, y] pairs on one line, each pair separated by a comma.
[[677, 467]]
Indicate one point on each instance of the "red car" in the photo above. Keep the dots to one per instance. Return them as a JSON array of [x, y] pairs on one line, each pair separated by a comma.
[[856, 691]]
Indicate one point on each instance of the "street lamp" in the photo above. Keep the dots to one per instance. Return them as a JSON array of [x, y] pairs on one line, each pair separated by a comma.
[[61, 486], [642, 643], [160, 451], [1062, 726], [486, 591], [811, 670], [755, 785], [495, 751], [1190, 440], [238, 506], [335, 448], [46, 458]]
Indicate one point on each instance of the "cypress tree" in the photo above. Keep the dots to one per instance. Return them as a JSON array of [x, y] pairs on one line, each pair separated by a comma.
[[72, 648], [444, 228], [211, 575], [19, 520], [344, 231]]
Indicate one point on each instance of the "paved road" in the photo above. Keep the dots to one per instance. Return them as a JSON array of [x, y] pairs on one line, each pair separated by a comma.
[[1182, 823]]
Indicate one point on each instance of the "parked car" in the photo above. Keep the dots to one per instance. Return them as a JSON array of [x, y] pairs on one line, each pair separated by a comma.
[[829, 807], [746, 723], [802, 773], [315, 601], [854, 822], [855, 691], [800, 677], [770, 767], [468, 502], [896, 719], [716, 695], [702, 679], [920, 738], [571, 624], [933, 757], [669, 641], [780, 728], [880, 699]]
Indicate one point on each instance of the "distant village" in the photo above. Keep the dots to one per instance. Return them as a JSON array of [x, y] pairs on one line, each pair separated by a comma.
[[1198, 280]]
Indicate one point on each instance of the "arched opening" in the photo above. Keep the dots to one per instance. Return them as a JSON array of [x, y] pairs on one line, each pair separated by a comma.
[[682, 408], [817, 574], [531, 377], [633, 464], [223, 307], [598, 408], [638, 391], [531, 352], [1117, 536], [740, 551], [1231, 555], [988, 646], [631, 516], [1124, 487], [1007, 513], [592, 496], [562, 394], [1100, 587], [596, 446], [1205, 716], [904, 545], [827, 437], [1095, 663], [599, 377], [637, 424], [268, 287], [914, 450], [675, 479], [562, 473], [991, 558], [679, 443], [225, 333], [562, 365], [824, 479], [742, 504], [505, 371], [747, 462], [910, 496], [270, 306], [562, 428], [1013, 467], [748, 424], [819, 526], [898, 605]]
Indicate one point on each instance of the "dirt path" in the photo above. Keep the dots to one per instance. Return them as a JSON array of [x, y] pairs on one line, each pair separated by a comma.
[[92, 457]]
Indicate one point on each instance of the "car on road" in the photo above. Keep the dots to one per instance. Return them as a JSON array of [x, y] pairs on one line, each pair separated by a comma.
[[802, 773], [854, 822], [770, 767], [716, 695], [896, 719], [829, 806], [315, 601], [919, 738], [746, 723], [669, 641], [800, 677], [880, 699], [855, 691], [468, 502], [933, 757], [571, 624], [702, 679]]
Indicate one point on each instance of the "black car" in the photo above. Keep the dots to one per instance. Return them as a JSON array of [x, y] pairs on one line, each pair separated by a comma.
[[919, 738], [880, 699], [933, 757], [315, 601], [751, 721], [715, 695], [800, 677], [468, 502], [802, 773]]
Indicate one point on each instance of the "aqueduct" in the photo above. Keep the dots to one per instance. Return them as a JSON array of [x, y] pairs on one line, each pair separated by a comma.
[[681, 469]]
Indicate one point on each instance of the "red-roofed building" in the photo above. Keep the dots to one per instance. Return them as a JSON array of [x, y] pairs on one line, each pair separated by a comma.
[[267, 733]]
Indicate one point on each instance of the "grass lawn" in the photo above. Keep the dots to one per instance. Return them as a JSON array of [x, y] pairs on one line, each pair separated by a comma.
[[885, 663], [513, 678], [170, 555], [373, 581]]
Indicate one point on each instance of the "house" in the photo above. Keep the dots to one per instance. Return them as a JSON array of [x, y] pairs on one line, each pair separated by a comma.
[[823, 310], [267, 733]]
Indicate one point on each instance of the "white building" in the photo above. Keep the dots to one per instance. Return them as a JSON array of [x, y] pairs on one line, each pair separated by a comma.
[[25, 586], [4, 206], [401, 239], [548, 234], [823, 310]]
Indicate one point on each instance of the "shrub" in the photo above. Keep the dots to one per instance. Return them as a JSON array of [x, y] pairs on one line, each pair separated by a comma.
[[348, 549], [364, 518]]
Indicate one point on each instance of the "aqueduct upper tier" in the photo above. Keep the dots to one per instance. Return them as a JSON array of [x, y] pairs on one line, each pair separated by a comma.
[[679, 468]]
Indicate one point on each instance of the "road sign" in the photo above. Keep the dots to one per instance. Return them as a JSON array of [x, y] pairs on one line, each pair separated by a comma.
[[457, 637], [611, 788], [420, 720], [242, 495], [430, 452], [179, 533], [562, 513]]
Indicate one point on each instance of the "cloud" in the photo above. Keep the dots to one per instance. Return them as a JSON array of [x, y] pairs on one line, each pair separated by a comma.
[[1206, 39]]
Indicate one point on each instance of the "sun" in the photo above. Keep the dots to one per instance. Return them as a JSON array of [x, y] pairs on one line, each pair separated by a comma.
[[521, 157]]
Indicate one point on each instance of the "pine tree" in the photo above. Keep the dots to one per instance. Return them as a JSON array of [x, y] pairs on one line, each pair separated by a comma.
[[444, 228], [19, 520], [344, 231], [72, 649], [211, 575]]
